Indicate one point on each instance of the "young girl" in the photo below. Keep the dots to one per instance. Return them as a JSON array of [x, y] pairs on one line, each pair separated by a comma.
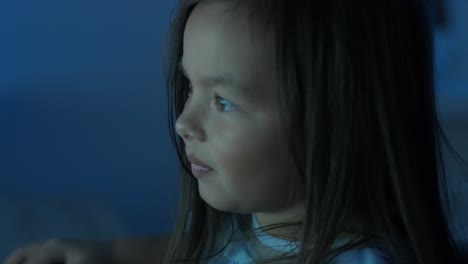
[[308, 133]]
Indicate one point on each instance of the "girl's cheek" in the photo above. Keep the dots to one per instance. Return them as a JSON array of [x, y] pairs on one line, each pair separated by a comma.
[[224, 130], [229, 142]]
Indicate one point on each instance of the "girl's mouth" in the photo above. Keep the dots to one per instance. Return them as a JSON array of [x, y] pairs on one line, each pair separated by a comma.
[[200, 171]]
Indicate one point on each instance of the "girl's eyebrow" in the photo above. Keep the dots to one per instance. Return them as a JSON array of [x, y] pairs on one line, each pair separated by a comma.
[[225, 80]]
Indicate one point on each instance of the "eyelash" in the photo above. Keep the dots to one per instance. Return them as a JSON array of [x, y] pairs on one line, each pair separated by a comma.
[[218, 98]]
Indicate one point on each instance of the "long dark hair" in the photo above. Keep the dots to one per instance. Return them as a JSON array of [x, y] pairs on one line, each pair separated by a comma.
[[357, 99]]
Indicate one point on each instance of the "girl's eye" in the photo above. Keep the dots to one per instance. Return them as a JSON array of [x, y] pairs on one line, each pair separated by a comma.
[[226, 105], [222, 103]]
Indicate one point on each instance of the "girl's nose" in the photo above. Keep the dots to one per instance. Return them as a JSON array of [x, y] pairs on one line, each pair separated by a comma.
[[188, 126]]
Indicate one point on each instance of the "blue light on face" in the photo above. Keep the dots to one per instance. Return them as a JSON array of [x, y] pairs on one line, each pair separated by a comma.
[[224, 102]]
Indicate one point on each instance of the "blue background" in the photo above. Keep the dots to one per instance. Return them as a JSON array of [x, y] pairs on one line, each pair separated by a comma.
[[83, 110], [84, 144]]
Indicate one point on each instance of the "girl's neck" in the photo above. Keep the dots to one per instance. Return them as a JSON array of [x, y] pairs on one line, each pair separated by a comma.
[[289, 232]]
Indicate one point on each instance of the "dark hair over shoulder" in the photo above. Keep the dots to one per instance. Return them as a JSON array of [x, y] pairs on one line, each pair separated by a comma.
[[357, 98]]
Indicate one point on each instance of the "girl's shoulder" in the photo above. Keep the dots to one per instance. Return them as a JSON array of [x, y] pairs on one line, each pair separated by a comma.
[[365, 255], [375, 250]]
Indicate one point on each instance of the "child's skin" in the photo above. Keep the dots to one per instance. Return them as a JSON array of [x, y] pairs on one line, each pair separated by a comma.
[[237, 134]]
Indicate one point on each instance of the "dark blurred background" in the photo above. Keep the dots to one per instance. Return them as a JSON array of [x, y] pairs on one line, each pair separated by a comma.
[[84, 147]]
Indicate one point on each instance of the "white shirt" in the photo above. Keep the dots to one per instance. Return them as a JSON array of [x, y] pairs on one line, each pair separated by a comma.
[[245, 251]]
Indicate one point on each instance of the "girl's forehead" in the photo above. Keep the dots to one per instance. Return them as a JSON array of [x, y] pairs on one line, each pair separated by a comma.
[[217, 23], [218, 42]]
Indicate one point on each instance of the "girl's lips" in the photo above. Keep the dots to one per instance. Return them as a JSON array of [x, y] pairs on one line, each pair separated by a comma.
[[198, 165], [200, 171]]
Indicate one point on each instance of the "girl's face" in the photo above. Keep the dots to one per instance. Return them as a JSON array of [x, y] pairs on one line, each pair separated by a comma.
[[231, 121]]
